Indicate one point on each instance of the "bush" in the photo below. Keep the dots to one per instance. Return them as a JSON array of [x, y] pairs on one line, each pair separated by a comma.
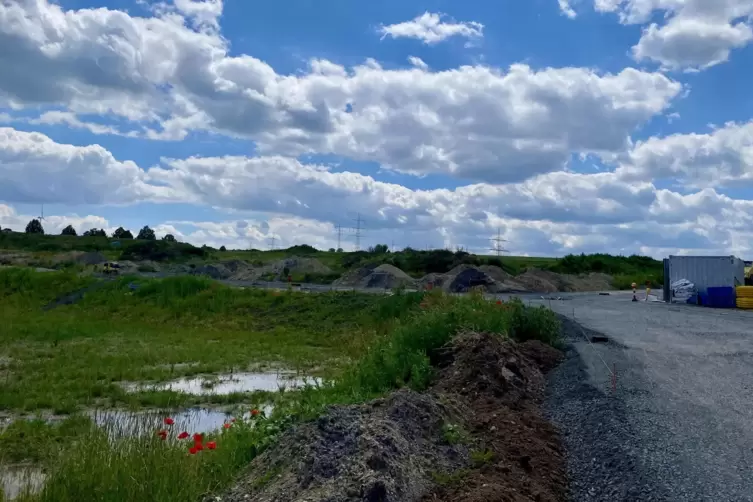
[[301, 249], [69, 230], [169, 238]]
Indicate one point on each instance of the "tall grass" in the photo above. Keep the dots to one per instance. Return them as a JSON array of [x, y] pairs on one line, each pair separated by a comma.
[[147, 469]]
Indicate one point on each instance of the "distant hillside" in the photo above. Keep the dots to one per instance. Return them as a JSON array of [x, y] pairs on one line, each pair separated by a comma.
[[416, 263]]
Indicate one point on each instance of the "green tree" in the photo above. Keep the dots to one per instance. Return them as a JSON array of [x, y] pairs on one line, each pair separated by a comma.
[[380, 249], [69, 230], [95, 232], [146, 234], [169, 238], [34, 227], [223, 248], [122, 233]]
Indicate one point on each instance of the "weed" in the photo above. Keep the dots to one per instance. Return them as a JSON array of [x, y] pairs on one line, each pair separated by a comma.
[[482, 457], [454, 434], [449, 479]]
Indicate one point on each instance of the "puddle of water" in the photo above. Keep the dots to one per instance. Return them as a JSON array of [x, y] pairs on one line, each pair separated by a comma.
[[121, 423], [230, 383], [20, 479]]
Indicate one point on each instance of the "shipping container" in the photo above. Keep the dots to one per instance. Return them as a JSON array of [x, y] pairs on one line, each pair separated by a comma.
[[704, 271]]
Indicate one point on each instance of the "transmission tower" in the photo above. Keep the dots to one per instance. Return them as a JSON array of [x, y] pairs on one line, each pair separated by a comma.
[[498, 246], [339, 236], [272, 242], [357, 229]]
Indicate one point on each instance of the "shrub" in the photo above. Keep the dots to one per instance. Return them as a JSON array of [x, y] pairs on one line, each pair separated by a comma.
[[169, 238], [69, 230]]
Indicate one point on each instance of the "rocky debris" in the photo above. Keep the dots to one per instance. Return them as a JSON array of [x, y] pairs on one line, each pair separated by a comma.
[[92, 258], [384, 276], [469, 278], [215, 271], [476, 435]]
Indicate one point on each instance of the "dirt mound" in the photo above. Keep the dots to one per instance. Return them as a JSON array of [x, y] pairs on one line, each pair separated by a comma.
[[489, 444], [470, 277], [382, 451], [383, 276], [502, 386]]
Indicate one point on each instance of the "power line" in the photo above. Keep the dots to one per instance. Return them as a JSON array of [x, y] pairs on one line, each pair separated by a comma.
[[498, 246]]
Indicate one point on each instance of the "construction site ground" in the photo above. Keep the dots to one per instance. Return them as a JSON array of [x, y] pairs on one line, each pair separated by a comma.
[[676, 423]]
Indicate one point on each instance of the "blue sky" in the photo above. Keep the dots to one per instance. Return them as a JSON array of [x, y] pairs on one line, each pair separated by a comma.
[[580, 126]]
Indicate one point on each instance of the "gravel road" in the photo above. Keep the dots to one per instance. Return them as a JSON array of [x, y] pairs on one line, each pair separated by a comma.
[[680, 425]]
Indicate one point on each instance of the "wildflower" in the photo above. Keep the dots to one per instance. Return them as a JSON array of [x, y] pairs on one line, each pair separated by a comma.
[[212, 445], [198, 437], [198, 446], [499, 302], [227, 425], [233, 420], [254, 412], [169, 421], [183, 435], [162, 434], [193, 450]]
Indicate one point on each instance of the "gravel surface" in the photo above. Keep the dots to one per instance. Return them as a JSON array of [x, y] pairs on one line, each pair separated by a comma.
[[678, 426]]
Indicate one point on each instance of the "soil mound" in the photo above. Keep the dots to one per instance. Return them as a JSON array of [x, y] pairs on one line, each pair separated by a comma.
[[469, 278], [489, 444], [384, 276], [502, 386], [382, 451]]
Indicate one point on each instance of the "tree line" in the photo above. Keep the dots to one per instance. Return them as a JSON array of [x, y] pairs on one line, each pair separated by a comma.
[[146, 233]]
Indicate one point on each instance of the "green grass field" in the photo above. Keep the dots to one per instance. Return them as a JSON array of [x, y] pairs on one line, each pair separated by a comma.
[[72, 358]]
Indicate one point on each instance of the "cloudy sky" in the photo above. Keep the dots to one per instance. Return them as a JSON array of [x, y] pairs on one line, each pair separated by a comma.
[[623, 126]]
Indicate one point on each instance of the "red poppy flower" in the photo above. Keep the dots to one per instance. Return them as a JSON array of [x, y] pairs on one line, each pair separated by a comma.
[[198, 437], [212, 445], [227, 425], [183, 435], [232, 420], [162, 434], [193, 450], [499, 302], [169, 421], [198, 446], [254, 412]]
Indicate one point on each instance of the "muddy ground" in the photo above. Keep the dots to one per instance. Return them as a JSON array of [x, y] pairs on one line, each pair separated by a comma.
[[476, 435]]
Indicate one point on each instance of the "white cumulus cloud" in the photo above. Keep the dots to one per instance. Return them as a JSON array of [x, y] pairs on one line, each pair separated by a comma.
[[431, 29]]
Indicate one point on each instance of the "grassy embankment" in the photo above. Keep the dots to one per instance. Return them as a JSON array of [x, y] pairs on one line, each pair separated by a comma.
[[73, 355]]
